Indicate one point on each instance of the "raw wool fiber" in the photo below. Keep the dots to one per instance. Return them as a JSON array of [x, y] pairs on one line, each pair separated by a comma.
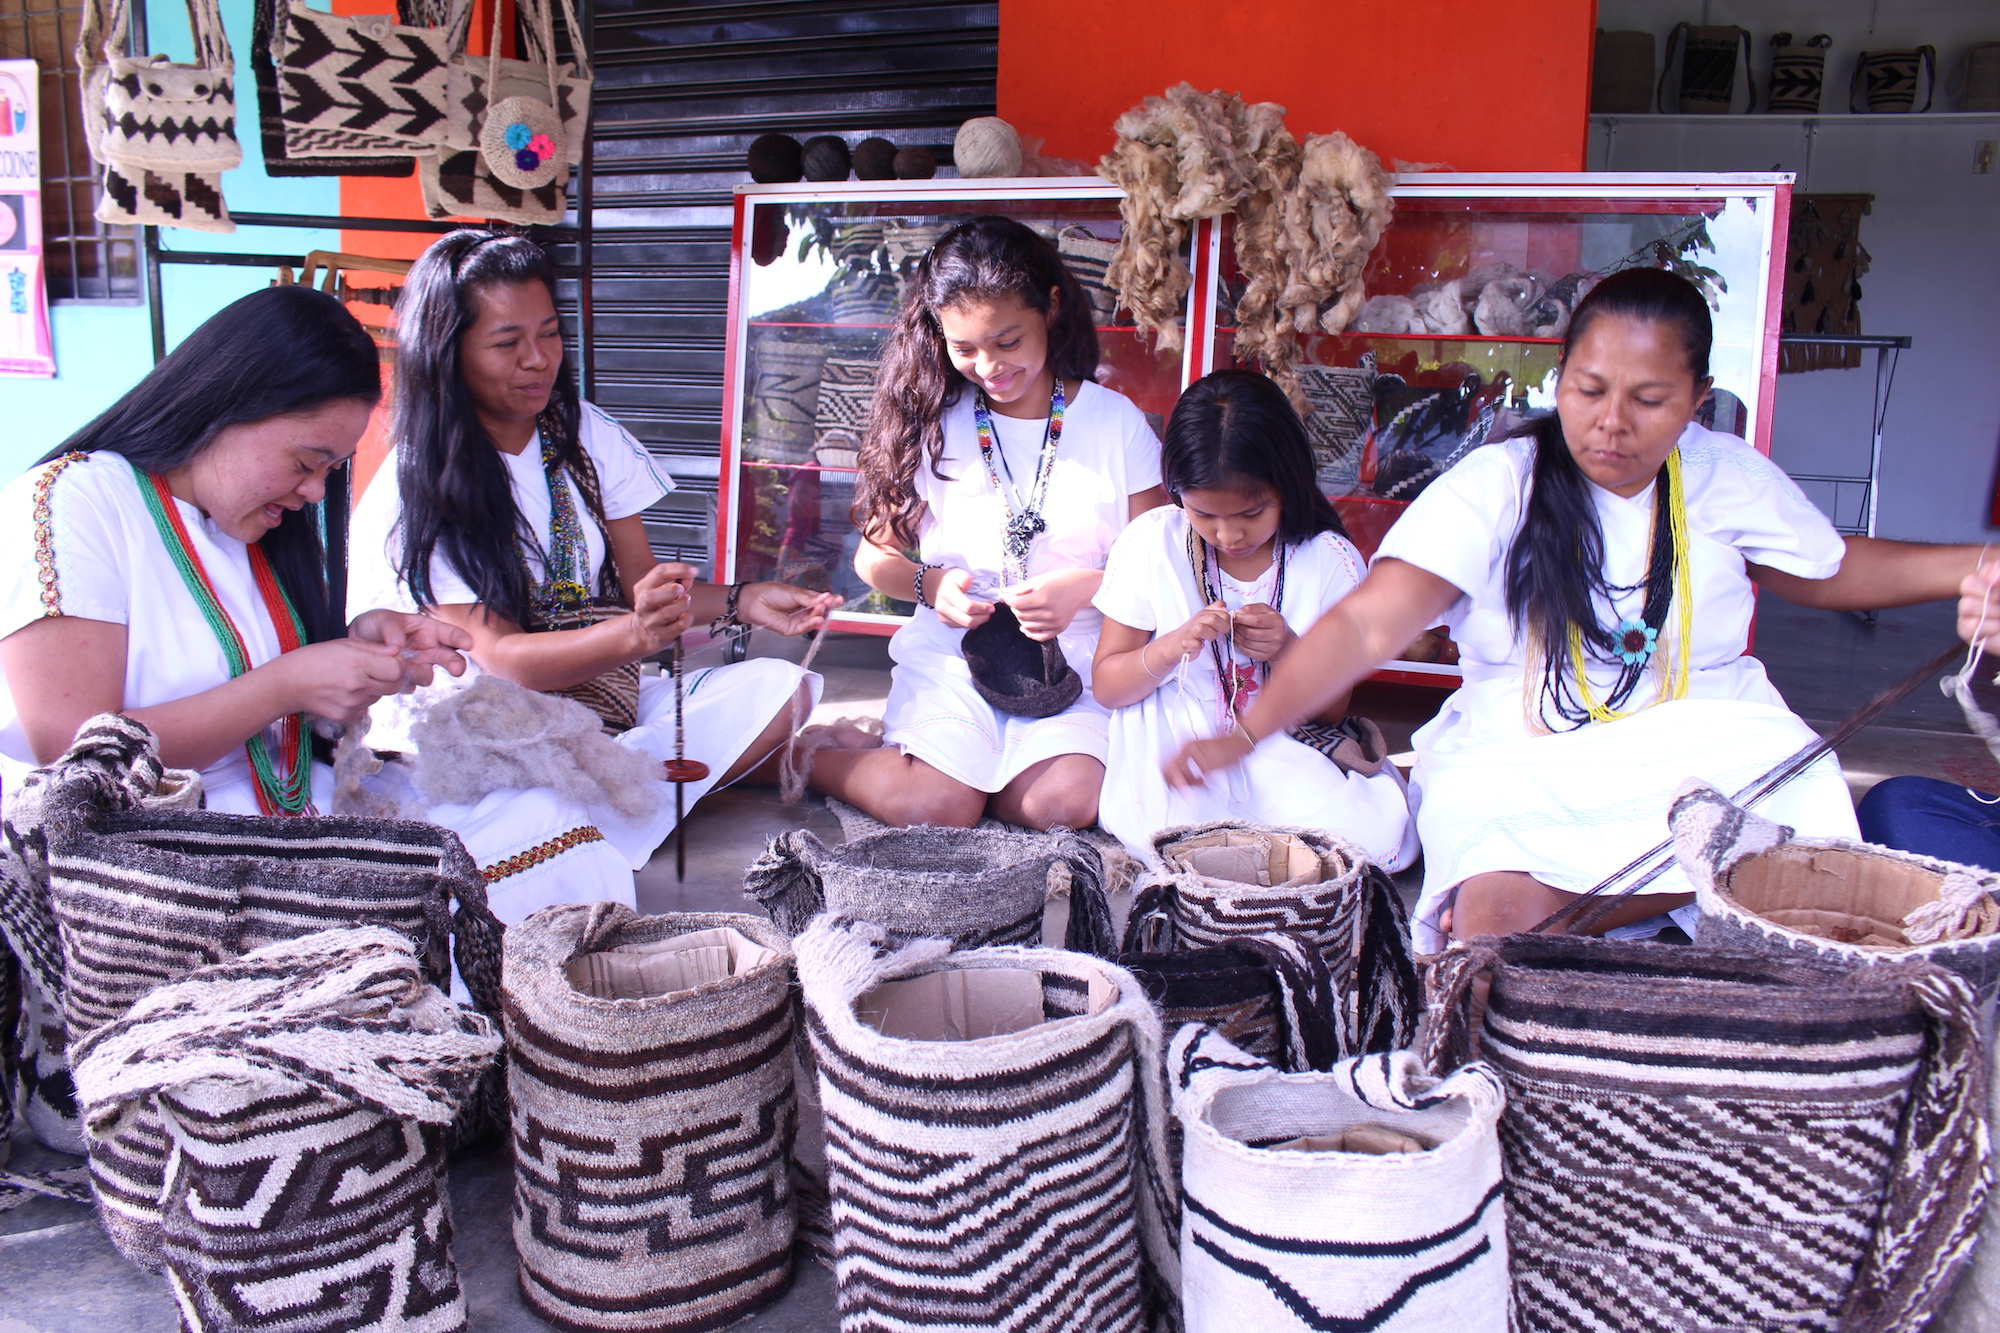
[[1700, 1138], [494, 734], [1214, 883], [307, 1087], [1278, 1234], [652, 1136], [1760, 888], [970, 887], [1012, 1182], [1329, 223]]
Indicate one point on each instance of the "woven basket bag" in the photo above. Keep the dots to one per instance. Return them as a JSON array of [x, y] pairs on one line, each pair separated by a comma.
[[1367, 1197], [650, 1076]]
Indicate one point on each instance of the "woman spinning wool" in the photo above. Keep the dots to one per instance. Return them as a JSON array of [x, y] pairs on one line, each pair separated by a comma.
[[1599, 575], [511, 507]]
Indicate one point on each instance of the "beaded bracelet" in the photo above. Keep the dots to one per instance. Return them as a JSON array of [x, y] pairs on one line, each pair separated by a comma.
[[729, 619], [921, 571]]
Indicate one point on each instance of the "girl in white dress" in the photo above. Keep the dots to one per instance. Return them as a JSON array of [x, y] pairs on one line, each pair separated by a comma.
[[507, 503], [1201, 598], [994, 456], [1599, 576]]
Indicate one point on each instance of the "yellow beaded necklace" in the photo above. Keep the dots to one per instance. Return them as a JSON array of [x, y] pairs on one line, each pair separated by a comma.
[[1675, 679]]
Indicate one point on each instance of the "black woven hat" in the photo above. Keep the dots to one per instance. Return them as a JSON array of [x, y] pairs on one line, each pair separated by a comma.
[[1014, 673]]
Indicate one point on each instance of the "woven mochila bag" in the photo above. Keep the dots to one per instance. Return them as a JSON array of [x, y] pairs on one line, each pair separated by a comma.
[[1270, 995], [650, 1076], [1760, 888], [307, 1088], [1367, 1197], [1210, 884], [1702, 1138], [995, 1141], [970, 886]]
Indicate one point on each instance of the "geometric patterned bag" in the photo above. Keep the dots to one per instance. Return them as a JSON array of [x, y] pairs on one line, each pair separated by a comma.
[[267, 30], [362, 86], [840, 420]]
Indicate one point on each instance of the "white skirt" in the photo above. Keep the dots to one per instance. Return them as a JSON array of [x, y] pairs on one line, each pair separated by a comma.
[[1574, 807]]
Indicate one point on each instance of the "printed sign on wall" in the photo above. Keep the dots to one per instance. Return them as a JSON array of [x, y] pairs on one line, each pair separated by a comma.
[[25, 348]]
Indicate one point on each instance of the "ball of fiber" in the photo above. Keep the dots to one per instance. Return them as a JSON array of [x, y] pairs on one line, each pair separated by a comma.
[[915, 164], [826, 158], [875, 160], [987, 146], [774, 159]]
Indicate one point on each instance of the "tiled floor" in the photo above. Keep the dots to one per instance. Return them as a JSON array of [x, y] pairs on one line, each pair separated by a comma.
[[59, 1275]]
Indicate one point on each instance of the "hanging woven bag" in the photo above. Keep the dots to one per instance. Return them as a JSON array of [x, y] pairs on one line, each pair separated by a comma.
[[970, 886], [995, 1140], [1885, 82], [1367, 1197], [1701, 1138], [307, 1088], [650, 1077], [1210, 884], [1709, 56], [1762, 889], [363, 86], [1798, 74]]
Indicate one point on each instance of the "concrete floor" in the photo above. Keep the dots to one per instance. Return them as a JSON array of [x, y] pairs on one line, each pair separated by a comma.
[[59, 1275]]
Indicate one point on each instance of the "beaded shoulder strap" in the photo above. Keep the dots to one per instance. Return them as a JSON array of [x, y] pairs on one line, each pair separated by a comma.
[[45, 538]]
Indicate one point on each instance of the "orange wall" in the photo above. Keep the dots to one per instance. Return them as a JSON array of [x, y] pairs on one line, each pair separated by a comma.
[[1470, 85]]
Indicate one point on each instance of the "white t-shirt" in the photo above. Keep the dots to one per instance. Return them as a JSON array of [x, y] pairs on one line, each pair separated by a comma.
[[1741, 508], [627, 481], [97, 555]]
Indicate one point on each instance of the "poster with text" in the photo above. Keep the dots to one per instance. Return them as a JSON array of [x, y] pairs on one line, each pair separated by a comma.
[[24, 294]]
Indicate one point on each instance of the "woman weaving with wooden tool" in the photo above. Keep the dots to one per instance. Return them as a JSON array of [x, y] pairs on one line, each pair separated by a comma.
[[1599, 574]]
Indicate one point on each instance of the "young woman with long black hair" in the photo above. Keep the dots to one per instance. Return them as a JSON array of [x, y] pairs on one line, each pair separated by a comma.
[[510, 509], [1599, 575], [166, 562]]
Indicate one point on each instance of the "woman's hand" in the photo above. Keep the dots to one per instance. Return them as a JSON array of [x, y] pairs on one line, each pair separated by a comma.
[[1047, 603], [421, 642], [781, 607], [1979, 607], [954, 602], [1262, 633], [1197, 759], [338, 679], [661, 608]]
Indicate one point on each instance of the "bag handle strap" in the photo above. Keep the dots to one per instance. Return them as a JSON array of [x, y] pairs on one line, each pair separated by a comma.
[[1928, 57], [1749, 73], [1090, 930], [1667, 65], [786, 880]]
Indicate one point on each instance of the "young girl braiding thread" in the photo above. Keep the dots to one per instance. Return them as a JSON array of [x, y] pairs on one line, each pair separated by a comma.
[[1202, 599], [993, 454]]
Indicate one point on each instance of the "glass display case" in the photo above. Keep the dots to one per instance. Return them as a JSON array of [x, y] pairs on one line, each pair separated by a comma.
[[1469, 294]]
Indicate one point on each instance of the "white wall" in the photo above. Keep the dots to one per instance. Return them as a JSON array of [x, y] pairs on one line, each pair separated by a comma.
[[1932, 236]]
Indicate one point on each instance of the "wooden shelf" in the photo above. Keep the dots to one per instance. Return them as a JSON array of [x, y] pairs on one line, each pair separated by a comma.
[[1823, 118]]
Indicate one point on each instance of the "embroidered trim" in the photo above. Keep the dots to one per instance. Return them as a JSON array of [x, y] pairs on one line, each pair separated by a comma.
[[540, 852], [45, 541]]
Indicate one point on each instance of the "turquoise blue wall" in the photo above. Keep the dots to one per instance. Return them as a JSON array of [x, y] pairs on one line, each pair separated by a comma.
[[102, 350]]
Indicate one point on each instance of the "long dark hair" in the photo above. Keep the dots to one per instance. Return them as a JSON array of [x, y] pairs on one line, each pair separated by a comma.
[[1234, 424], [457, 499], [1555, 568], [978, 260], [276, 352]]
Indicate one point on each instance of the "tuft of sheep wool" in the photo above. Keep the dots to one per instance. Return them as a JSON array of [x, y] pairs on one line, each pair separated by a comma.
[[1504, 304], [986, 146], [1260, 255], [353, 764], [1332, 222], [1388, 314], [494, 734], [1442, 308]]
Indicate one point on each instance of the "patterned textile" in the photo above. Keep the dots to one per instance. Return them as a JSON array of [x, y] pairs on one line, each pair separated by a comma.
[[265, 48], [1707, 68], [1087, 256], [1798, 75], [970, 886], [306, 1087], [840, 414], [1270, 995], [994, 1149], [1343, 405], [1212, 884], [653, 1115], [784, 397], [361, 86], [1298, 1212], [1886, 81], [1698, 1138]]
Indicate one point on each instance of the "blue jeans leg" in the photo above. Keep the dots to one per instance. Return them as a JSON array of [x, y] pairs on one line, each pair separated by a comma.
[[1933, 818]]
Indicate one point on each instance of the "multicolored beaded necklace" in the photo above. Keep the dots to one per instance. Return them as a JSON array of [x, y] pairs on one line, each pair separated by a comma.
[[1201, 561], [290, 794], [1024, 524], [569, 551]]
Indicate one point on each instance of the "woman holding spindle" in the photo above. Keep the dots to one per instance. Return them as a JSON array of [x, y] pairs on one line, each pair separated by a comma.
[[1599, 574]]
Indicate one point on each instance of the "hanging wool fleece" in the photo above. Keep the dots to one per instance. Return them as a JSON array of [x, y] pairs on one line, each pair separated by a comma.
[[1700, 1138], [1762, 889], [1367, 1197], [650, 1076], [307, 1088], [994, 1135]]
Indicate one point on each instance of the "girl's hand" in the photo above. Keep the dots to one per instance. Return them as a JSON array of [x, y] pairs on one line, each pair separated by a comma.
[[1979, 600], [338, 679], [421, 642], [955, 603], [661, 609], [788, 610], [1047, 603], [1262, 633], [1200, 758], [1209, 623]]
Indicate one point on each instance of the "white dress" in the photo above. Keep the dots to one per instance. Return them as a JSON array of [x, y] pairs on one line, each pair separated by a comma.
[[1107, 454], [534, 832], [1149, 586], [1493, 793]]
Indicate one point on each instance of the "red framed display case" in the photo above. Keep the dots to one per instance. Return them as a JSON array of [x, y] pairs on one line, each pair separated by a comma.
[[816, 273]]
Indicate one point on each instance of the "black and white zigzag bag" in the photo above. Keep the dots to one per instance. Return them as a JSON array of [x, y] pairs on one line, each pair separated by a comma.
[[1701, 1138], [1367, 1197], [307, 1088], [650, 1075], [362, 86], [995, 1140]]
